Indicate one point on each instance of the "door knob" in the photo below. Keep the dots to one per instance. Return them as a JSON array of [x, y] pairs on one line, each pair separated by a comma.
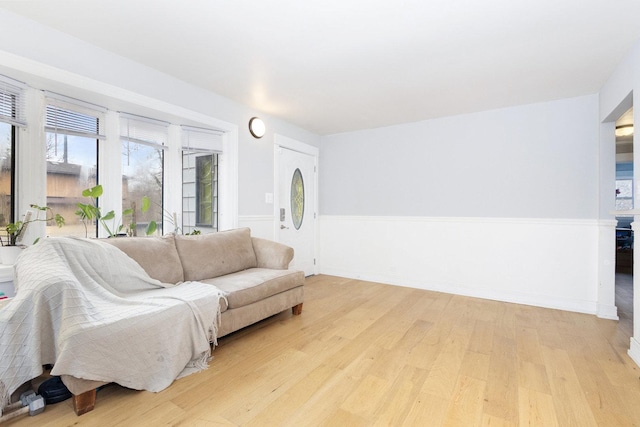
[[282, 227]]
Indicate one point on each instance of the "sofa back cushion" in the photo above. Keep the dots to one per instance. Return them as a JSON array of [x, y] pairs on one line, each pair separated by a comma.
[[156, 255], [206, 256]]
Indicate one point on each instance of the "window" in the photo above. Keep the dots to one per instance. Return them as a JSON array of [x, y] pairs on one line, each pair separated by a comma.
[[72, 135], [624, 194], [11, 116], [200, 171], [7, 177], [143, 145], [66, 150], [207, 191]]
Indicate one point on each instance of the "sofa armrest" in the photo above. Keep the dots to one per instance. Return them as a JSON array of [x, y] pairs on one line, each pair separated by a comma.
[[270, 254]]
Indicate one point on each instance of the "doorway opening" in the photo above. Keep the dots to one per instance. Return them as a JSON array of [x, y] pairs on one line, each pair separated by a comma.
[[624, 202]]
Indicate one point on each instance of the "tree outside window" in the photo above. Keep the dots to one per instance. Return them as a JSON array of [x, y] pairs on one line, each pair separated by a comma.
[[142, 170]]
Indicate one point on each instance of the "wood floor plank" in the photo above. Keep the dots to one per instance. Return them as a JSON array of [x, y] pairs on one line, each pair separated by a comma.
[[536, 408], [603, 397], [533, 376], [443, 374], [399, 398], [482, 337], [475, 365], [569, 398], [366, 397], [528, 345], [427, 409], [341, 417], [502, 380], [369, 354], [465, 406], [391, 362], [424, 353], [491, 421], [282, 409]]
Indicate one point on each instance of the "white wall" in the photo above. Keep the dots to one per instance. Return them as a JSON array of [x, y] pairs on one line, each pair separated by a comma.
[[533, 161], [542, 262], [500, 204], [618, 94], [25, 43]]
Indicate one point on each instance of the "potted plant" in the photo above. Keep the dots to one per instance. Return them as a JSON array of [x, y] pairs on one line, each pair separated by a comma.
[[15, 231], [112, 225], [173, 220]]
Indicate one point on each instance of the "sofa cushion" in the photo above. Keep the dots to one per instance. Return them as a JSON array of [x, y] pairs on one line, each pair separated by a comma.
[[156, 255], [206, 256], [255, 284]]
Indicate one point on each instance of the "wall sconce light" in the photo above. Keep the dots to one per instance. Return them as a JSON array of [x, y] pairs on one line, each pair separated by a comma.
[[256, 127], [624, 130]]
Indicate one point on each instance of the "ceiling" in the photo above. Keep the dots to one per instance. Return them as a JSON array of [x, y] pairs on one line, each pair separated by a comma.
[[340, 65]]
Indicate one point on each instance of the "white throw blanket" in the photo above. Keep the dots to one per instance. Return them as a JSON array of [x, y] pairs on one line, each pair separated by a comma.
[[87, 308]]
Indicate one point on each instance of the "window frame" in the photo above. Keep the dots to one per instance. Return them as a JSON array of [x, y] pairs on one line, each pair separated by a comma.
[[153, 133], [198, 142], [30, 164], [74, 118], [12, 112], [214, 182]]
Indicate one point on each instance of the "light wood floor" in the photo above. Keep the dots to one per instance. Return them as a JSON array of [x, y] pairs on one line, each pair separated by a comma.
[[366, 354]]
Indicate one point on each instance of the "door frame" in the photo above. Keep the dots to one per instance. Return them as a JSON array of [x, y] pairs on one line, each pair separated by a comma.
[[279, 142]]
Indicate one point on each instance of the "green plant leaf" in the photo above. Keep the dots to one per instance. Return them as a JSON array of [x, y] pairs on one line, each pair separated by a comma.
[[151, 228], [96, 191], [108, 216], [93, 192], [146, 203], [87, 211], [82, 210], [14, 227]]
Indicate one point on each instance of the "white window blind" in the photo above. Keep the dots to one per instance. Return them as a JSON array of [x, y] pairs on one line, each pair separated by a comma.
[[74, 117], [12, 101], [143, 130], [201, 140]]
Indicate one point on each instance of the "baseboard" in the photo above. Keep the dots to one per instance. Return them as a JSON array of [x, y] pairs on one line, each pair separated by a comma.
[[607, 312], [566, 304], [634, 351]]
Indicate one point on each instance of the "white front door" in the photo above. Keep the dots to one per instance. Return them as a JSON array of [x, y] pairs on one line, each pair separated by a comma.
[[296, 213]]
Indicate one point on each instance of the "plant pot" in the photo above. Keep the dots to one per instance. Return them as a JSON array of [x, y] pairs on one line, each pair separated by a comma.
[[9, 254]]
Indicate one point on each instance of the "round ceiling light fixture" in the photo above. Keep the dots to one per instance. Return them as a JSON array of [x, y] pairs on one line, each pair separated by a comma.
[[624, 130], [256, 127]]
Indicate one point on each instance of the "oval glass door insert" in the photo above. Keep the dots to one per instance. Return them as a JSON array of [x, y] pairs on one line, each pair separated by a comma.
[[297, 199]]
